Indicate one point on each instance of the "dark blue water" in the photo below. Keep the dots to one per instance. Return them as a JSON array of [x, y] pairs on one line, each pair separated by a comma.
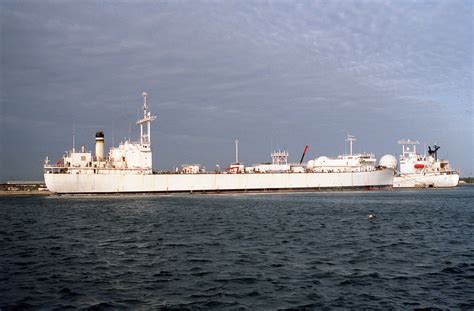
[[305, 250]]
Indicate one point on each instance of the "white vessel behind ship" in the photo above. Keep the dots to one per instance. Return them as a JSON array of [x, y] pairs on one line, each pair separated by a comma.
[[128, 169], [417, 171]]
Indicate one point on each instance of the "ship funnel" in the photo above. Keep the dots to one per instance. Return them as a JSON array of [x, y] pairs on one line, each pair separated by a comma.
[[99, 146]]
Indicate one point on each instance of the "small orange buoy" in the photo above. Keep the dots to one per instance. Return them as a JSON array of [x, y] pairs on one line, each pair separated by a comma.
[[419, 165]]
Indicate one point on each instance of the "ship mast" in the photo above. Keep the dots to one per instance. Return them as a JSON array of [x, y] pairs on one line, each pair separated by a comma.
[[236, 151], [350, 139], [145, 138]]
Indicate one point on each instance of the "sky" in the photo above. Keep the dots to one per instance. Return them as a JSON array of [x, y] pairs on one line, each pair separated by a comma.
[[275, 74]]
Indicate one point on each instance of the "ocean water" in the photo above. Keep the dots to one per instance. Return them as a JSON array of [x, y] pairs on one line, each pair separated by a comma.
[[265, 251]]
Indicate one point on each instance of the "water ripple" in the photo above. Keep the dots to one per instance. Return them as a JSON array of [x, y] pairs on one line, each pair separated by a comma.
[[272, 251]]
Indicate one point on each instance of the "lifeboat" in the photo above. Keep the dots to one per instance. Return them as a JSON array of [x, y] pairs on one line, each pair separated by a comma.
[[419, 165]]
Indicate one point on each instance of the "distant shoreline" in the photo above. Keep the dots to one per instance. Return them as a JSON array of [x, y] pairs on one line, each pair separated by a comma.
[[24, 188], [11, 193], [466, 180]]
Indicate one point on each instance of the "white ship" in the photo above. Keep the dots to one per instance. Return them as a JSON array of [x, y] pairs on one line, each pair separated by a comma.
[[417, 171], [128, 169]]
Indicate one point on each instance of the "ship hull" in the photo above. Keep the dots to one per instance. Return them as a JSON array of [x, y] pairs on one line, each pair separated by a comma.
[[201, 183], [428, 180]]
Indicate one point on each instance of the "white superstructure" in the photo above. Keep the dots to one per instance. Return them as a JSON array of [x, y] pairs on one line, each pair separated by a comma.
[[128, 169], [424, 171]]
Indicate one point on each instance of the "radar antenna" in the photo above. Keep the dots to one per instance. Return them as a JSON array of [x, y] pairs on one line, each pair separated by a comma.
[[406, 143], [434, 151]]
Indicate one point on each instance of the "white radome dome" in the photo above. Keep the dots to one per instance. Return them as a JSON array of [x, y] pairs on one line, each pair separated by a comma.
[[323, 158], [310, 164], [388, 161]]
